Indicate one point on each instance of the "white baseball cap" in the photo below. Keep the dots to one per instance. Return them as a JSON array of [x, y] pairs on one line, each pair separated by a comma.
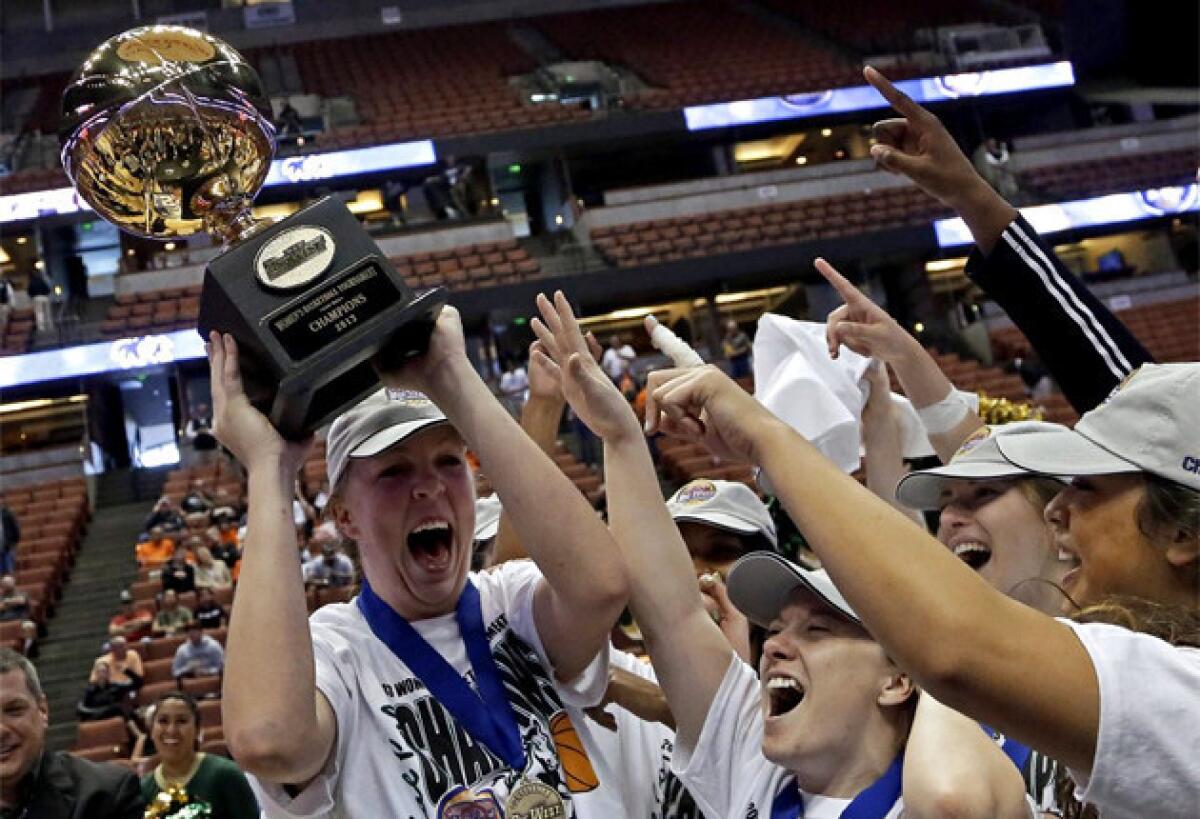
[[1150, 423], [978, 459], [760, 584], [376, 424], [727, 505], [487, 517]]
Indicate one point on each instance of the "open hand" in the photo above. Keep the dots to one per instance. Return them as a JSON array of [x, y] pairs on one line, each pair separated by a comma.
[[593, 396], [918, 146], [244, 430], [544, 381], [439, 368], [861, 324]]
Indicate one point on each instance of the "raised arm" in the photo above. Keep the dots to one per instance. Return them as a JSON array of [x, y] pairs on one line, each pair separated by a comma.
[[287, 736], [585, 585], [1022, 672], [883, 460], [1085, 347], [689, 652]]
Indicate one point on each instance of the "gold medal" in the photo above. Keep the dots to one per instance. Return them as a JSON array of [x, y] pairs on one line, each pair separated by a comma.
[[534, 800]]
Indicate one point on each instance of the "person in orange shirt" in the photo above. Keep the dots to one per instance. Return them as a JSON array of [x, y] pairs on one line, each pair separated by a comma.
[[156, 549]]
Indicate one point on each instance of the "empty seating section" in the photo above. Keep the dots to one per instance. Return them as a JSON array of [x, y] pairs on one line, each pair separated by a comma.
[[469, 267], [1112, 174], [221, 478], [154, 311], [427, 83], [664, 240], [699, 52], [52, 517], [15, 338], [1169, 330]]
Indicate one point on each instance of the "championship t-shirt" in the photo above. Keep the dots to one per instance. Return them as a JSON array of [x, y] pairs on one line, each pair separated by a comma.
[[727, 773], [400, 753], [633, 763], [1146, 747]]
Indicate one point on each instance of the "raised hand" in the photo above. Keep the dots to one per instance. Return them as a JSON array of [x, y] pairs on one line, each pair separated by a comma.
[[544, 381], [440, 367], [733, 624], [588, 390], [918, 146], [703, 404], [861, 324], [245, 431]]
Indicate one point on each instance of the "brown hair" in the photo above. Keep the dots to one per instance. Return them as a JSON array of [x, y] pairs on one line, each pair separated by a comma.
[[1168, 506]]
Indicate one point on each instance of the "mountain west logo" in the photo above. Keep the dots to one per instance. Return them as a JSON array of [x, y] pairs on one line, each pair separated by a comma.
[[295, 257]]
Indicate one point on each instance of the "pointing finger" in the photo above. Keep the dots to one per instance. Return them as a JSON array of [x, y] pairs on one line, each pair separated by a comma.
[[849, 293], [902, 102]]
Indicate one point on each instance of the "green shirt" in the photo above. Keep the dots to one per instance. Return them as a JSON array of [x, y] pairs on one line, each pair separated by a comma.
[[218, 782]]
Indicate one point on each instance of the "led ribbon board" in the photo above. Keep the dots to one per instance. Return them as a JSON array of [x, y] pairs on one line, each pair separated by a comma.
[[110, 356], [291, 170], [1083, 213], [864, 97]]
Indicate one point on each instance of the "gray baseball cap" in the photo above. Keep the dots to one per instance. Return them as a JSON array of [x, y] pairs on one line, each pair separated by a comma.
[[727, 505], [376, 424], [978, 459], [487, 517], [760, 584], [1150, 423]]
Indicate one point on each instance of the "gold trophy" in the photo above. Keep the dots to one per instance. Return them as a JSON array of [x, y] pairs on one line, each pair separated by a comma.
[[167, 131]]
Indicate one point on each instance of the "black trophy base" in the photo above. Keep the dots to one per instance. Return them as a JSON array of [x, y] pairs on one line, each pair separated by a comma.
[[312, 302]]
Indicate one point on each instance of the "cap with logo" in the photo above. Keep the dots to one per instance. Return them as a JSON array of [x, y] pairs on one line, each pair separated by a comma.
[[376, 424], [978, 459], [1148, 424], [760, 584], [487, 517], [727, 505]]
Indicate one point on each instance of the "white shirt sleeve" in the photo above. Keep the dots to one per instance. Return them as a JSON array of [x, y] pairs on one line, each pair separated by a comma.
[[1149, 736], [728, 753], [517, 581]]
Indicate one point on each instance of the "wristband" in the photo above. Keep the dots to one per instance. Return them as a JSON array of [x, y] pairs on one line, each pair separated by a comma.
[[945, 414]]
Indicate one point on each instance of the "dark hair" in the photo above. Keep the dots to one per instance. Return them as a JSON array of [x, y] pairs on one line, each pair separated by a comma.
[[1168, 506], [184, 697]]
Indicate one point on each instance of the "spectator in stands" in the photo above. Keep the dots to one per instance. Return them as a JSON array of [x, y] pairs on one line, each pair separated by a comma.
[[198, 434], [124, 665], [10, 536], [198, 656], [992, 161], [199, 525], [27, 645], [227, 548], [289, 120], [209, 573], [172, 617], [40, 784], [177, 574], [331, 568], [514, 387], [215, 785], [7, 297], [40, 290], [737, 348], [131, 622], [197, 498], [14, 603], [209, 613], [156, 549], [164, 515], [617, 359], [102, 698]]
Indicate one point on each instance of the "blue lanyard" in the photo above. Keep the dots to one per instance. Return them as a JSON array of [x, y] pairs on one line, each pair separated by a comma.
[[1016, 751], [874, 802], [487, 716]]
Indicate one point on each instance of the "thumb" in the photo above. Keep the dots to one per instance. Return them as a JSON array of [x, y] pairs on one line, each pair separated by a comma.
[[712, 585], [896, 161]]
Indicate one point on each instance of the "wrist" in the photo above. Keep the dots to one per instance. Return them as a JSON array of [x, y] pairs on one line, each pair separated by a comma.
[[445, 383]]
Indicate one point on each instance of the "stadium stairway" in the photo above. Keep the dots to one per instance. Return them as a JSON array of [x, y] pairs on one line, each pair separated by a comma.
[[105, 565]]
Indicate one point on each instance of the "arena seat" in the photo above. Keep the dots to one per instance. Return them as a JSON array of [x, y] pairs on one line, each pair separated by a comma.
[[103, 733], [1133, 171]]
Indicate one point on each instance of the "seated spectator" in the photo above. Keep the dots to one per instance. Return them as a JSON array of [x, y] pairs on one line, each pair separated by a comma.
[[163, 514], [157, 549], [102, 698], [197, 498], [177, 574], [332, 568], [200, 524], [124, 665], [131, 622], [172, 617], [27, 645], [209, 613], [14, 603], [199, 656], [320, 499], [209, 573]]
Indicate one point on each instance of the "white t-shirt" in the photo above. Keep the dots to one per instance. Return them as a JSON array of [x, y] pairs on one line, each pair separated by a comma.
[[399, 752], [1149, 738], [633, 762], [727, 772], [616, 362]]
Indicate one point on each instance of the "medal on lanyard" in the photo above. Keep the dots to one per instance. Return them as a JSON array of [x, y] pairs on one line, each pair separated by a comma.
[[534, 800], [872, 803]]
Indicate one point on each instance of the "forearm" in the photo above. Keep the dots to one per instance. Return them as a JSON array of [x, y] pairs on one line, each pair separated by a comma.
[[540, 418], [269, 647], [986, 212], [884, 460]]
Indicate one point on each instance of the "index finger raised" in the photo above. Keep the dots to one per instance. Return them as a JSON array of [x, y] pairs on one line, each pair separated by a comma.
[[902, 102], [845, 288]]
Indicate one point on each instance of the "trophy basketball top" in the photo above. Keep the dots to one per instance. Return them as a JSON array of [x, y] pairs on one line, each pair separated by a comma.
[[167, 131]]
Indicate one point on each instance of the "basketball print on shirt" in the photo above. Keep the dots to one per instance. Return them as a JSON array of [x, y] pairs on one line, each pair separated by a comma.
[[455, 777]]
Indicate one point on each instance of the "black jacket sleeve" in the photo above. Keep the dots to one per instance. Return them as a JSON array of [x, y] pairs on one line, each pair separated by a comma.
[[1086, 349]]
